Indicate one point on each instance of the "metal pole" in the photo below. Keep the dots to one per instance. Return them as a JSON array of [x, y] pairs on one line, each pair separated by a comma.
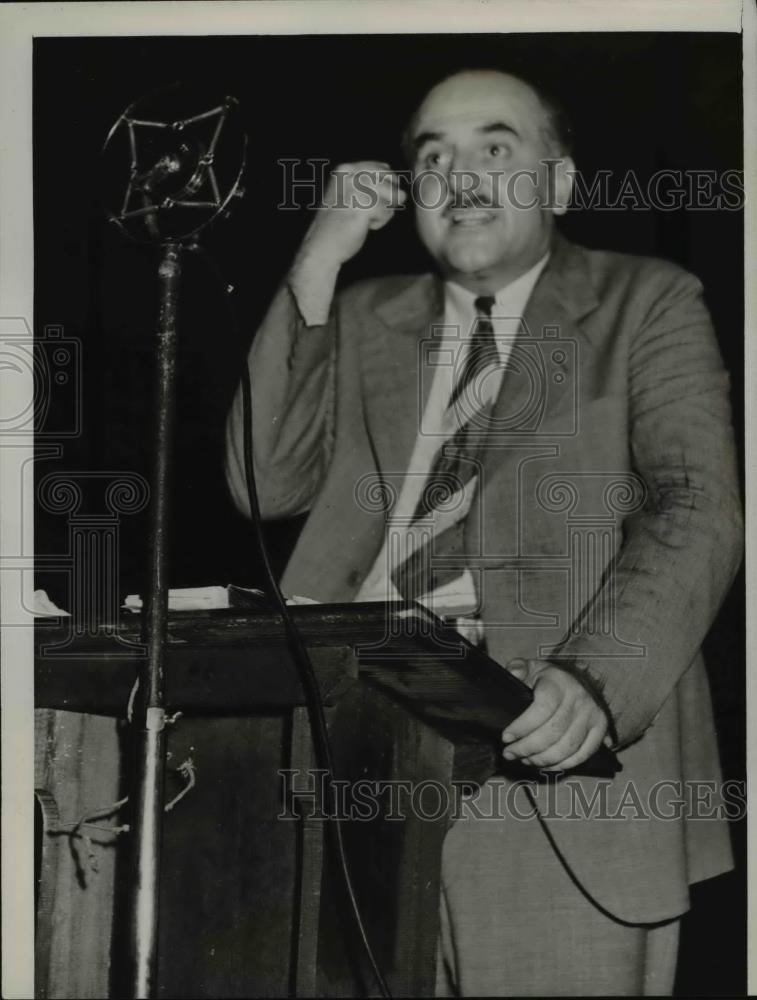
[[150, 712]]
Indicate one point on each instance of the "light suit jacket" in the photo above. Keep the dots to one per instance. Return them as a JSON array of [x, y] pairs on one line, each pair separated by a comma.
[[606, 529]]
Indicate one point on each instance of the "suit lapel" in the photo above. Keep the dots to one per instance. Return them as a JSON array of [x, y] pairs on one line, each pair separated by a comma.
[[544, 368], [539, 396], [395, 389]]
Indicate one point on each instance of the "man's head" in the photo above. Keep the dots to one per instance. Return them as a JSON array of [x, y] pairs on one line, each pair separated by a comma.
[[485, 194]]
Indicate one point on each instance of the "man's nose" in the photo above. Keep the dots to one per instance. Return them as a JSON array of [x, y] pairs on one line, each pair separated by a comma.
[[463, 161], [468, 183]]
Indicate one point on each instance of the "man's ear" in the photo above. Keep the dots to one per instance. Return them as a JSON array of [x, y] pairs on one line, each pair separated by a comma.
[[563, 171]]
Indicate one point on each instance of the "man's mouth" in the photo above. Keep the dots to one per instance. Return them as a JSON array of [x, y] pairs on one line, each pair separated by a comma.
[[469, 216]]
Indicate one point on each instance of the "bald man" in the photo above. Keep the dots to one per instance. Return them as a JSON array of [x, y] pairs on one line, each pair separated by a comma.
[[573, 407]]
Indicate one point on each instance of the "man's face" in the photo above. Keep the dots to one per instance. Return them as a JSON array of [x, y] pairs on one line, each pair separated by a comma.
[[481, 185]]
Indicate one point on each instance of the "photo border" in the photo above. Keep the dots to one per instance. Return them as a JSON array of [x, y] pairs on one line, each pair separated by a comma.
[[19, 24]]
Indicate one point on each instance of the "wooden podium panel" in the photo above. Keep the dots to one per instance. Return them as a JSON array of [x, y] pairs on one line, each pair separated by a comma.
[[396, 863], [230, 913], [250, 902], [77, 769], [228, 863]]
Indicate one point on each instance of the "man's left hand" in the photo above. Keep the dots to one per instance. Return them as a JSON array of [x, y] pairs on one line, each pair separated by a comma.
[[564, 724]]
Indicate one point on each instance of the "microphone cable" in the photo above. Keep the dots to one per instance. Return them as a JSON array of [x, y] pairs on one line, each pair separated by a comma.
[[568, 868], [301, 656]]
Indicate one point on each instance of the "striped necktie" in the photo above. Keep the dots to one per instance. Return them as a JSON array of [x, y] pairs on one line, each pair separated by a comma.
[[454, 465], [483, 354]]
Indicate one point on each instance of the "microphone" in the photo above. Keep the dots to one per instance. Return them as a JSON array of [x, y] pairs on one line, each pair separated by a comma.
[[172, 162]]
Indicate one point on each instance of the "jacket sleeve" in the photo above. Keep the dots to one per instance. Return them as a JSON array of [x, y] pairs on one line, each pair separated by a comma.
[[291, 369], [682, 547]]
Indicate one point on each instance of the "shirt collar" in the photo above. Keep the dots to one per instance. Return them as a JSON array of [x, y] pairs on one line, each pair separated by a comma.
[[510, 300]]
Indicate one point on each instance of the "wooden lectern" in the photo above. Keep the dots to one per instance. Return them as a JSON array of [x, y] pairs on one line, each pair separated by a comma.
[[251, 903]]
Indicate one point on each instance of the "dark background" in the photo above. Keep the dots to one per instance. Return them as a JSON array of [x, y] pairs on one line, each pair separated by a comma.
[[637, 101]]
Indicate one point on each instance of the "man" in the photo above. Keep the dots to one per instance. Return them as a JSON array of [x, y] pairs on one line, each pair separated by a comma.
[[573, 408]]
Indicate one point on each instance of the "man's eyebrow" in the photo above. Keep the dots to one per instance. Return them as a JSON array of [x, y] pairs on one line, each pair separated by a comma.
[[498, 127], [423, 137]]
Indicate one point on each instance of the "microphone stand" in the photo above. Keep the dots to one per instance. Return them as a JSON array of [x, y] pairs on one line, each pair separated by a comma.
[[168, 200], [150, 715]]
